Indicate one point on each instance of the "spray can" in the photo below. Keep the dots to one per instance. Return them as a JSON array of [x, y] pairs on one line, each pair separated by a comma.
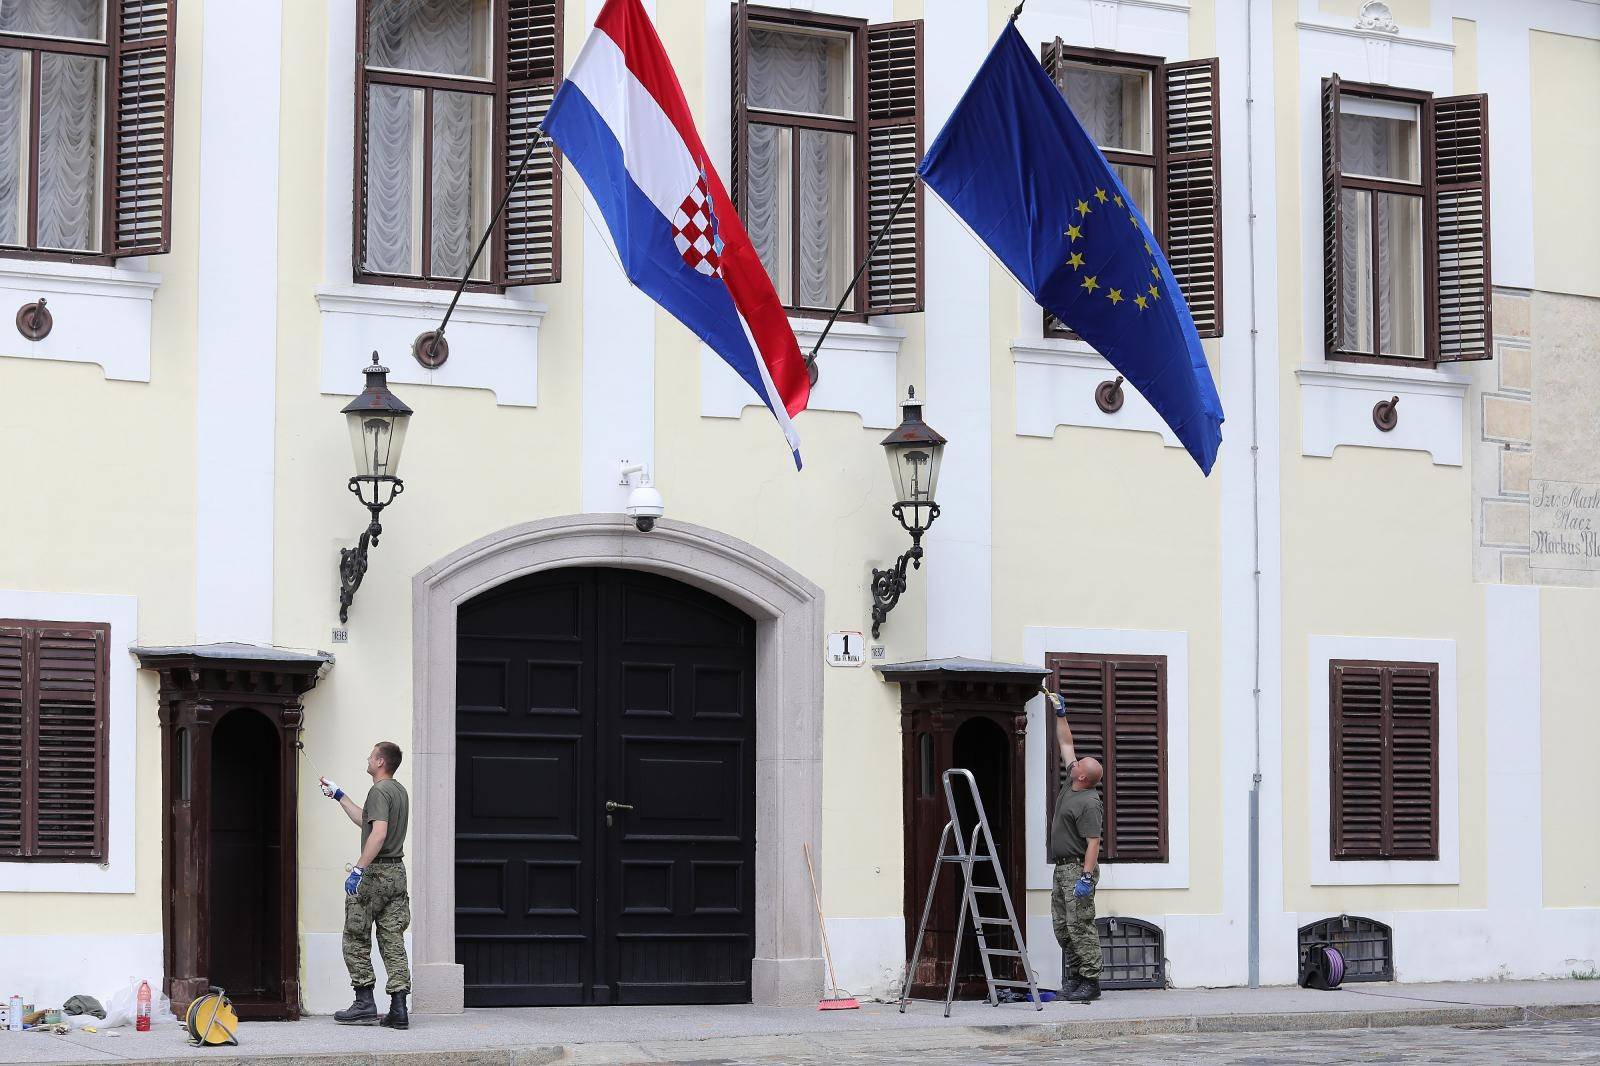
[[142, 1014], [14, 1014]]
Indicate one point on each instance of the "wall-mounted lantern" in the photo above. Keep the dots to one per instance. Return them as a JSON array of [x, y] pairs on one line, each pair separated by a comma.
[[914, 451], [377, 420]]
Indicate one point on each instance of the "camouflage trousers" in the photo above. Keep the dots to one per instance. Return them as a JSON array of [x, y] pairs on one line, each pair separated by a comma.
[[1073, 920], [381, 900]]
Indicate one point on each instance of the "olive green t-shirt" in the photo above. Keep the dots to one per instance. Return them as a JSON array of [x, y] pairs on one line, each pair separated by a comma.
[[387, 802], [1080, 817]]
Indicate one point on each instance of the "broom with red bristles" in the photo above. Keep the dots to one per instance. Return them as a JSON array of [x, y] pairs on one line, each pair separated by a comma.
[[836, 1001]]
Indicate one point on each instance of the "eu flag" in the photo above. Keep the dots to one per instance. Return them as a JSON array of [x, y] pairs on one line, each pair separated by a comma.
[[1014, 164]]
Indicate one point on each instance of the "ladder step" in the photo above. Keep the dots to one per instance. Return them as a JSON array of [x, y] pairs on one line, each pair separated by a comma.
[[1012, 984], [970, 858], [986, 888], [993, 921], [1007, 952]]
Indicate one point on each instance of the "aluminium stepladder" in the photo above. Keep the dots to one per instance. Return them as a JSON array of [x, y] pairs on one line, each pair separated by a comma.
[[967, 856]]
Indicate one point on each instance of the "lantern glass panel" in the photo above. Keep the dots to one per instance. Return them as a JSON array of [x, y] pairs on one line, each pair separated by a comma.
[[915, 470], [376, 440]]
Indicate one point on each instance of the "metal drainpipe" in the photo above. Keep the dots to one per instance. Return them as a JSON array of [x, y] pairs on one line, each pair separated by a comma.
[[1254, 936]]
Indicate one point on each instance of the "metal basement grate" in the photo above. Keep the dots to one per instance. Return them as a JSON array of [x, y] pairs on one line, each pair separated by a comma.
[[1367, 946], [1131, 953]]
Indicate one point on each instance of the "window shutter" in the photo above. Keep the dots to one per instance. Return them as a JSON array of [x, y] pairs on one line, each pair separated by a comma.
[[143, 60], [1461, 221], [1357, 756], [1136, 801], [1332, 286], [894, 146], [11, 741], [739, 65], [1194, 190], [1413, 762], [531, 65], [69, 771], [1081, 682]]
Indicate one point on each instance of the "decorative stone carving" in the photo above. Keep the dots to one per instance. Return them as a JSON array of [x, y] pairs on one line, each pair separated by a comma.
[[1376, 17]]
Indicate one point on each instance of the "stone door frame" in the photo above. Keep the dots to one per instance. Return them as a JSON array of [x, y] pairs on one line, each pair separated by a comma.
[[788, 611]]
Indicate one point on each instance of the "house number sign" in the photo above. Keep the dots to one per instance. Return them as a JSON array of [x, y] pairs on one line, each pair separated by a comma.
[[848, 648]]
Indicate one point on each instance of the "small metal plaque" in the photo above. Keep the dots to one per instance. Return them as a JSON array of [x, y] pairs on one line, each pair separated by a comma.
[[847, 648], [341, 635]]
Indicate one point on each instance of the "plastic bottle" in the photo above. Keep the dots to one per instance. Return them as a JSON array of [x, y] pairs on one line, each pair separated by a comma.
[[14, 1014], [142, 1014]]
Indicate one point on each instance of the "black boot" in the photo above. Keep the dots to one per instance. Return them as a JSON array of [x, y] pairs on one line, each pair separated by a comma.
[[1088, 989], [397, 1018], [1070, 978], [362, 1012]]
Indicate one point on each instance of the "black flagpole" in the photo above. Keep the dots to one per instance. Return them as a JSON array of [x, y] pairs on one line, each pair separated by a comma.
[[427, 342], [811, 358]]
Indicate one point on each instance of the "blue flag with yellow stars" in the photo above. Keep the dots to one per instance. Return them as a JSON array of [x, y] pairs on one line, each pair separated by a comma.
[[1014, 164]]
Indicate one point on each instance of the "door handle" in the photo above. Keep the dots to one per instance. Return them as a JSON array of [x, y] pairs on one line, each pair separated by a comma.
[[613, 805]]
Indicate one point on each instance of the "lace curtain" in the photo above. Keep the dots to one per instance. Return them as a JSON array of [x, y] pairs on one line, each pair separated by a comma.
[[798, 72], [442, 37], [68, 198], [1108, 105], [1379, 148]]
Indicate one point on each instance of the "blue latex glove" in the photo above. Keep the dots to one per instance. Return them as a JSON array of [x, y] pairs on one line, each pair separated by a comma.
[[331, 790], [353, 882], [1056, 704], [1084, 887]]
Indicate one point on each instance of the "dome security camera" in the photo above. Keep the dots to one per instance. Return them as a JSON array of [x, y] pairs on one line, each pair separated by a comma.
[[644, 502]]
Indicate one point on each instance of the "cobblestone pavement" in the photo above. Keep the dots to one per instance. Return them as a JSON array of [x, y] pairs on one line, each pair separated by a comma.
[[1534, 1044]]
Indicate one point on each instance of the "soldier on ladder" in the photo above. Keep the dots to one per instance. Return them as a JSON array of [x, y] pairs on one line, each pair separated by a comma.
[[1075, 834]]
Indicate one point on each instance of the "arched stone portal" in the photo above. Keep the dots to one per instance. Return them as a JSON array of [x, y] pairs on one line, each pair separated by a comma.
[[788, 613]]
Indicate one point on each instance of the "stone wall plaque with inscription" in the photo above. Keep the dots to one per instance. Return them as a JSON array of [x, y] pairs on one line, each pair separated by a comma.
[[1564, 525]]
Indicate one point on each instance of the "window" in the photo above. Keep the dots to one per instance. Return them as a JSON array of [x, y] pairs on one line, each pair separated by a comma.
[[1384, 759], [85, 128], [448, 94], [52, 741], [1123, 698], [1405, 225], [827, 132], [1157, 125], [1367, 945]]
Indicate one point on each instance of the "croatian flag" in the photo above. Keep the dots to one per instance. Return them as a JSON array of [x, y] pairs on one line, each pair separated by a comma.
[[622, 119]]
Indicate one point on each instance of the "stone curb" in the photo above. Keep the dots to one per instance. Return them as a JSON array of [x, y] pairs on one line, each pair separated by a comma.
[[1041, 1033]]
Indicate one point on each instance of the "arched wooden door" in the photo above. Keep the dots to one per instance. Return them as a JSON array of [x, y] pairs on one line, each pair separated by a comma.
[[605, 792]]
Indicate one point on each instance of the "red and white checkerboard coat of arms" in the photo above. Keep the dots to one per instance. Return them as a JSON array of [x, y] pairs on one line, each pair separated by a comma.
[[694, 230]]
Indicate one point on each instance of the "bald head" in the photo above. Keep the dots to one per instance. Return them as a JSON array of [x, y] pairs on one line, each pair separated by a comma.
[[1086, 773]]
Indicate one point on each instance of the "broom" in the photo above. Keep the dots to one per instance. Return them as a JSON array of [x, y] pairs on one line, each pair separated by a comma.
[[837, 1001]]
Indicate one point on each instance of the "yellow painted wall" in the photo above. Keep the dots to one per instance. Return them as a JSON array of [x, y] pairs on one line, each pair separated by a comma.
[[1569, 710], [1464, 70], [1566, 154], [113, 513], [1410, 13]]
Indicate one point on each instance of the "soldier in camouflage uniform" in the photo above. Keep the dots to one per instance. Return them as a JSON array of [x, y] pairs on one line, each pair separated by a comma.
[[375, 891], [1075, 835]]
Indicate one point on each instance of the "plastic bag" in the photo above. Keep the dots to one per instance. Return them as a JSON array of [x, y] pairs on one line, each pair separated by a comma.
[[121, 1007]]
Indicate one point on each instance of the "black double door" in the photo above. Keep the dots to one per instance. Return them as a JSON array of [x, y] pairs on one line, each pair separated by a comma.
[[605, 792]]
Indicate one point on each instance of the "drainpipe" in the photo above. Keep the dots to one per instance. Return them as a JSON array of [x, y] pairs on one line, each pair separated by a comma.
[[1254, 935]]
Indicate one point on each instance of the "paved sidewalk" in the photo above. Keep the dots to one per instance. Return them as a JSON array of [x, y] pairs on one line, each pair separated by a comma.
[[528, 1036]]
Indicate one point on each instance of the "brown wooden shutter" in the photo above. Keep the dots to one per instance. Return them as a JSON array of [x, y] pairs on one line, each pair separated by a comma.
[[1332, 287], [1081, 682], [1461, 228], [1194, 189], [1385, 760], [894, 147], [1136, 800], [70, 769], [143, 61], [531, 68], [1413, 723], [11, 741], [739, 65], [1356, 753]]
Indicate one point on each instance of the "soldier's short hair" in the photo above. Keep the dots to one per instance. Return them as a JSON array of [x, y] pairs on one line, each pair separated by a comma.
[[390, 753]]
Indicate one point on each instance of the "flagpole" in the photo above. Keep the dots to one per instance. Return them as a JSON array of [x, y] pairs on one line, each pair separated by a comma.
[[428, 341], [811, 359]]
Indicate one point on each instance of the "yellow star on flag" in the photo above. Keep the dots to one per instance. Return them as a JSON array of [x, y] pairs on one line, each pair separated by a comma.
[[1118, 199], [1154, 293], [1076, 261], [1155, 271], [1141, 302], [1133, 220], [1147, 247], [1083, 207], [1115, 296], [1100, 194], [1090, 283], [1074, 232]]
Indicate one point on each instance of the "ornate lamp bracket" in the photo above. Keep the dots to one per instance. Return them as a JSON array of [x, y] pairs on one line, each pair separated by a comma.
[[353, 561], [888, 585]]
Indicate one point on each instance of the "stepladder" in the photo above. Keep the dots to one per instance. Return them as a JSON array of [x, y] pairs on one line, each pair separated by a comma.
[[971, 852]]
